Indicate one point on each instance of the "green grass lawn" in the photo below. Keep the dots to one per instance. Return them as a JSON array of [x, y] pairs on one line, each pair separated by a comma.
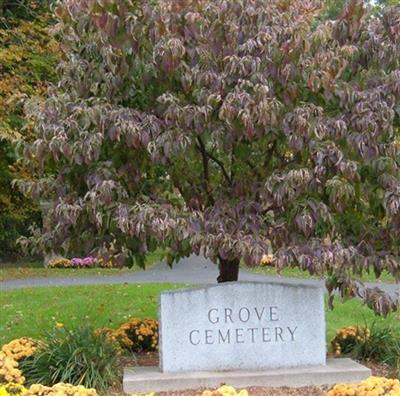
[[298, 273], [31, 312], [35, 269]]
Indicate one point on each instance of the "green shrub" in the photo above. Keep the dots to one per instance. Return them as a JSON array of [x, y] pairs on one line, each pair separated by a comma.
[[78, 357]]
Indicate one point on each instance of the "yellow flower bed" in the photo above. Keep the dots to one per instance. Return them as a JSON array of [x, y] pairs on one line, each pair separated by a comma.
[[373, 386], [9, 371], [267, 259], [12, 390], [19, 348], [347, 337], [60, 390], [138, 335], [59, 263], [106, 264], [225, 390]]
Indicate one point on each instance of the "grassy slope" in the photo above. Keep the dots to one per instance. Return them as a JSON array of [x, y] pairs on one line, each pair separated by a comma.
[[30, 312]]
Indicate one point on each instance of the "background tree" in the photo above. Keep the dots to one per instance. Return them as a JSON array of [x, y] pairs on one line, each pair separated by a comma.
[[28, 57], [333, 8], [230, 129]]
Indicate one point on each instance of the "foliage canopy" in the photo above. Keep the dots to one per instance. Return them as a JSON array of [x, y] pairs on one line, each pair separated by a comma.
[[228, 129]]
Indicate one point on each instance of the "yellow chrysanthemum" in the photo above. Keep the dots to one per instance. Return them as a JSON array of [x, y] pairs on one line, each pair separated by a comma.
[[373, 386], [19, 348], [9, 372]]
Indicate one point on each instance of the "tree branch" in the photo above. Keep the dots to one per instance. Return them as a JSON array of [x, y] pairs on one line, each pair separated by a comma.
[[221, 165], [206, 153], [206, 174]]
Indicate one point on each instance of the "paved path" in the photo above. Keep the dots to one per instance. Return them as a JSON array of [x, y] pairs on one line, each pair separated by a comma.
[[193, 270]]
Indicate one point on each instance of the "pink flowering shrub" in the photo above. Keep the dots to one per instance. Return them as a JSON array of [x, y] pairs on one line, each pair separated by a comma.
[[84, 262]]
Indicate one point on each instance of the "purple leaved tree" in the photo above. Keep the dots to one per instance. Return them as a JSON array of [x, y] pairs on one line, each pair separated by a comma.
[[229, 129]]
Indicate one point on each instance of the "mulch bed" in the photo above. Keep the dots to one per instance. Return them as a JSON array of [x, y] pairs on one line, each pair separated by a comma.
[[257, 391], [151, 359]]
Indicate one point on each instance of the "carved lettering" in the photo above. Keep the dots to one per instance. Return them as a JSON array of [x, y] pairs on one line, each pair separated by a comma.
[[252, 330], [209, 339], [292, 332], [273, 315], [215, 318], [259, 315], [226, 339], [228, 314], [239, 336], [232, 334], [278, 333], [191, 339], [244, 314], [265, 334]]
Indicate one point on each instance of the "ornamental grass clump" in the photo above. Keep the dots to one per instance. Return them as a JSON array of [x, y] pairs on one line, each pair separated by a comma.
[[373, 386], [78, 356], [138, 335], [20, 348]]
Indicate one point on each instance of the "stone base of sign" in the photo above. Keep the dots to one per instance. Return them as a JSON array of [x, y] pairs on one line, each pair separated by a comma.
[[151, 379]]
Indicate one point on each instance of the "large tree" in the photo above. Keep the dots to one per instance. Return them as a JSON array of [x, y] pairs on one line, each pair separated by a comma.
[[231, 129]]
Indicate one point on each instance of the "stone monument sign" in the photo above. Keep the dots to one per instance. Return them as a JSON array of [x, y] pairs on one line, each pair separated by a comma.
[[242, 325]]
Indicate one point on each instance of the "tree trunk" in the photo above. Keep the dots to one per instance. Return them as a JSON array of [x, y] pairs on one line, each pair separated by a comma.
[[228, 270]]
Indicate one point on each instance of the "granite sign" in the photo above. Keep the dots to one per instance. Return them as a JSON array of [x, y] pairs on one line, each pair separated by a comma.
[[247, 325]]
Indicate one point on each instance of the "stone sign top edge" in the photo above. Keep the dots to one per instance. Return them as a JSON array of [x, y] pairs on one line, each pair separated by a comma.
[[290, 282]]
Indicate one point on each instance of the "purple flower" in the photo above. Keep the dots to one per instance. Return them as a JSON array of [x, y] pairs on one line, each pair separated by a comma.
[[80, 262]]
